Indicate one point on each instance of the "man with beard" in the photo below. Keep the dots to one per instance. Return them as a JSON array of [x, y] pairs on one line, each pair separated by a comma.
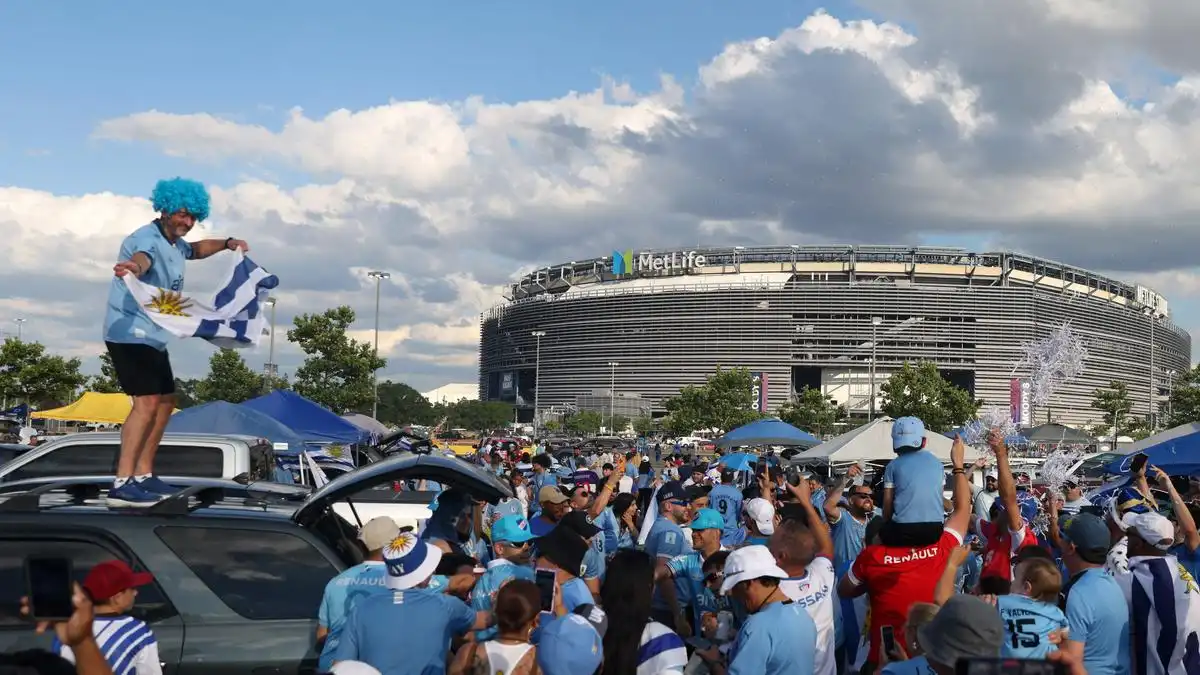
[[511, 554], [666, 541]]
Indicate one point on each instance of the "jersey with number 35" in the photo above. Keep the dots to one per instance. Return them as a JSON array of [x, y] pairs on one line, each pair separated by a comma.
[[1028, 624]]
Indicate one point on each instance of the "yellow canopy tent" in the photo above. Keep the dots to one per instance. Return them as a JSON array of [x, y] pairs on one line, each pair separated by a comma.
[[91, 407]]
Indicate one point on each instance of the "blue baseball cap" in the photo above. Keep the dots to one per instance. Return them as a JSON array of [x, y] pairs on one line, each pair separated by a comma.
[[708, 519], [511, 530], [908, 432], [573, 644]]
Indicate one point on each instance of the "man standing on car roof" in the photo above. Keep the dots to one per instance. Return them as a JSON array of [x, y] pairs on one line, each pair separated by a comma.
[[156, 254]]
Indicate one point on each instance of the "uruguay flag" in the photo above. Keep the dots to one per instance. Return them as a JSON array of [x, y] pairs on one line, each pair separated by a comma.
[[231, 318], [1164, 605]]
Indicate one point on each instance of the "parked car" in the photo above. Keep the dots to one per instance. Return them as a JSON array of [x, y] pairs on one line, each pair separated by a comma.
[[239, 569], [10, 451]]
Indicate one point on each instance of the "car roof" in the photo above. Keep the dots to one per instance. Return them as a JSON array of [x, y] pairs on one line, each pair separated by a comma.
[[115, 437]]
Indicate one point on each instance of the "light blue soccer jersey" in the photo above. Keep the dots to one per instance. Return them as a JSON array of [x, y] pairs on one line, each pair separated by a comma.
[[124, 320], [341, 594], [781, 639], [727, 500], [688, 570], [611, 534], [483, 596], [429, 620], [849, 537], [1098, 616], [1028, 624], [917, 478], [666, 540]]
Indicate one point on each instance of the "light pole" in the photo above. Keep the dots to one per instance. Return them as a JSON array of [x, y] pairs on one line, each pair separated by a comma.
[[378, 277], [269, 380], [1170, 392], [19, 323], [875, 321], [612, 393], [537, 378]]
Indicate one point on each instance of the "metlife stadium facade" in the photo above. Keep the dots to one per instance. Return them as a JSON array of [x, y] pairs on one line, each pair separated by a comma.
[[626, 331]]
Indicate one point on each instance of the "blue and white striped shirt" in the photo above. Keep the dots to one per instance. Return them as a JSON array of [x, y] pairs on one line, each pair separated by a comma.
[[127, 643]]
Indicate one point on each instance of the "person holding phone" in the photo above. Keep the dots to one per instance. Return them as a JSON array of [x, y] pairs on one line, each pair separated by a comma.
[[74, 631]]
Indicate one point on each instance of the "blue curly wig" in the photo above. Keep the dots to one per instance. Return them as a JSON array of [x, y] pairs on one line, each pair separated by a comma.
[[181, 194]]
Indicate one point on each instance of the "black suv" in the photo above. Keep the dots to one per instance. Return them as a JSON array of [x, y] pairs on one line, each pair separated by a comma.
[[239, 570]]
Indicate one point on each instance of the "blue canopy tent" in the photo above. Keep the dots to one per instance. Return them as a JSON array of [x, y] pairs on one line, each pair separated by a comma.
[[769, 431], [222, 417], [1177, 453], [308, 419]]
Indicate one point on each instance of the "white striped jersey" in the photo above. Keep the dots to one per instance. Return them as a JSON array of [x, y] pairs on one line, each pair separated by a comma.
[[127, 643], [1164, 607]]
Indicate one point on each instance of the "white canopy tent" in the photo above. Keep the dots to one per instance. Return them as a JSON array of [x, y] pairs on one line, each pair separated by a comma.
[[872, 442]]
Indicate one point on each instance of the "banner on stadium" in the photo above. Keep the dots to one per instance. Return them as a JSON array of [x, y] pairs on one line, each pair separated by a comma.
[[1019, 402], [758, 388]]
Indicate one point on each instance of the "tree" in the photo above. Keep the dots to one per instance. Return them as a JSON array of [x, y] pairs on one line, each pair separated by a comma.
[[922, 392], [106, 381], [481, 416], [643, 426], [617, 424], [813, 411], [551, 426], [185, 393], [584, 422], [401, 404], [229, 379], [1114, 405], [724, 402], [1183, 405], [338, 371], [28, 374]]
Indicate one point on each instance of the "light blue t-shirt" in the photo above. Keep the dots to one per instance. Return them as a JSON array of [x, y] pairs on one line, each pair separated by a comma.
[[594, 561], [666, 540], [430, 620], [849, 536], [727, 500], [781, 639], [917, 479], [125, 321], [1028, 624], [688, 570], [483, 596], [916, 666], [1098, 616], [611, 530], [341, 594]]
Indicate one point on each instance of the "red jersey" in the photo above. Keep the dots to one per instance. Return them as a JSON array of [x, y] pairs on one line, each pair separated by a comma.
[[999, 547], [896, 577]]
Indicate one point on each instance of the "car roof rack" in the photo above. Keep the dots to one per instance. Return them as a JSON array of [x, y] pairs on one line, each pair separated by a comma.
[[30, 501], [179, 503]]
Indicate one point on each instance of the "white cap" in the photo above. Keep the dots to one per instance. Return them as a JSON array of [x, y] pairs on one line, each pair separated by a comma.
[[762, 512], [378, 532], [749, 562], [1155, 529], [353, 668]]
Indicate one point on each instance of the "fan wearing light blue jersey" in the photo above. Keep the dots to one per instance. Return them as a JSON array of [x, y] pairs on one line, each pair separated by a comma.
[[346, 589], [727, 500], [511, 555], [1033, 623]]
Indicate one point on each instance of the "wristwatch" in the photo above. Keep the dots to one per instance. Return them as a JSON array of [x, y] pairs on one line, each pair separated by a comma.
[[227, 243]]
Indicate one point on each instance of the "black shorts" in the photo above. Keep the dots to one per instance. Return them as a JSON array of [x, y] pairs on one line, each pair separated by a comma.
[[911, 534], [141, 369]]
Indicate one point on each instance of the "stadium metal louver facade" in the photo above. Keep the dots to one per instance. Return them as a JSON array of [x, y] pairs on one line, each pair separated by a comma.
[[818, 317]]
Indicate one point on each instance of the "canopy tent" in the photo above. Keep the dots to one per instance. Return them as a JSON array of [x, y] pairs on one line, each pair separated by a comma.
[[308, 419], [1176, 451], [872, 442], [222, 417], [1052, 432], [370, 425], [768, 431], [91, 407]]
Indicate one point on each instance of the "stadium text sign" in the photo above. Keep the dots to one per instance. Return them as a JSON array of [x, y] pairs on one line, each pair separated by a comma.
[[623, 262]]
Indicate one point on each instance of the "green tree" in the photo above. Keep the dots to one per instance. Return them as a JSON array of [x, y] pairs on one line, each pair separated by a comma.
[[922, 392], [1114, 405], [1183, 405], [338, 371], [185, 393], [618, 424], [229, 379], [813, 411], [551, 426], [481, 416], [584, 422], [106, 381], [401, 404], [643, 426], [28, 374], [724, 402]]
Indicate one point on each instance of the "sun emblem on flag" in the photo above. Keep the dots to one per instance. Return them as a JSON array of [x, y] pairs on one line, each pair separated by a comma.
[[1188, 580], [335, 451], [171, 303], [401, 542]]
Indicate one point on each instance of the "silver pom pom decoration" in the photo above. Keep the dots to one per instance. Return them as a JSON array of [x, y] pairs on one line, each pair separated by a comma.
[[1051, 361]]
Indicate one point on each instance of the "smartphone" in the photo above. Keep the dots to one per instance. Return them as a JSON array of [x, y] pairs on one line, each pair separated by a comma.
[[1008, 667], [546, 588], [1139, 461], [889, 639], [51, 588]]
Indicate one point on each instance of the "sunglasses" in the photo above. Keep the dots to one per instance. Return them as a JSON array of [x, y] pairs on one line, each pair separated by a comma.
[[680, 502]]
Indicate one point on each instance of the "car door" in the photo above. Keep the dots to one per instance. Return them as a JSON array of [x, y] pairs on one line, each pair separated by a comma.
[[85, 548]]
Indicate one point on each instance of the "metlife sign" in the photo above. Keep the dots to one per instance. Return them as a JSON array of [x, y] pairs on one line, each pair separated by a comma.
[[624, 262]]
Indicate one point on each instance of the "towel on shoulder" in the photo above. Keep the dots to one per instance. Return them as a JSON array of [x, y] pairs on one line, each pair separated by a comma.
[[230, 318]]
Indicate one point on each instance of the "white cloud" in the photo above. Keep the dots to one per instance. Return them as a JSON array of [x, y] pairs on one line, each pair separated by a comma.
[[998, 121]]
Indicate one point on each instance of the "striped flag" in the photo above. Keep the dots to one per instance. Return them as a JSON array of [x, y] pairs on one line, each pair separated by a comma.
[[230, 318], [1164, 607]]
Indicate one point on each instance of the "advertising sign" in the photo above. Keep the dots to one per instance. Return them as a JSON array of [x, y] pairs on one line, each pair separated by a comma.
[[1019, 402], [759, 389]]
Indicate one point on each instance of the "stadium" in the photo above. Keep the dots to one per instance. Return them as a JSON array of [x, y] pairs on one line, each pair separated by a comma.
[[624, 332]]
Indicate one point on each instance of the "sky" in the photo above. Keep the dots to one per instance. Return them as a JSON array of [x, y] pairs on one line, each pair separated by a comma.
[[459, 147]]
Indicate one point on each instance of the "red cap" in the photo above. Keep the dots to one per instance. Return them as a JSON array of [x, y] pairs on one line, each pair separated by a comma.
[[111, 577]]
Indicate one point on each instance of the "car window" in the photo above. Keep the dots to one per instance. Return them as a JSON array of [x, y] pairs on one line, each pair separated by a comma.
[[71, 460], [262, 461], [261, 575], [203, 461], [151, 605]]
